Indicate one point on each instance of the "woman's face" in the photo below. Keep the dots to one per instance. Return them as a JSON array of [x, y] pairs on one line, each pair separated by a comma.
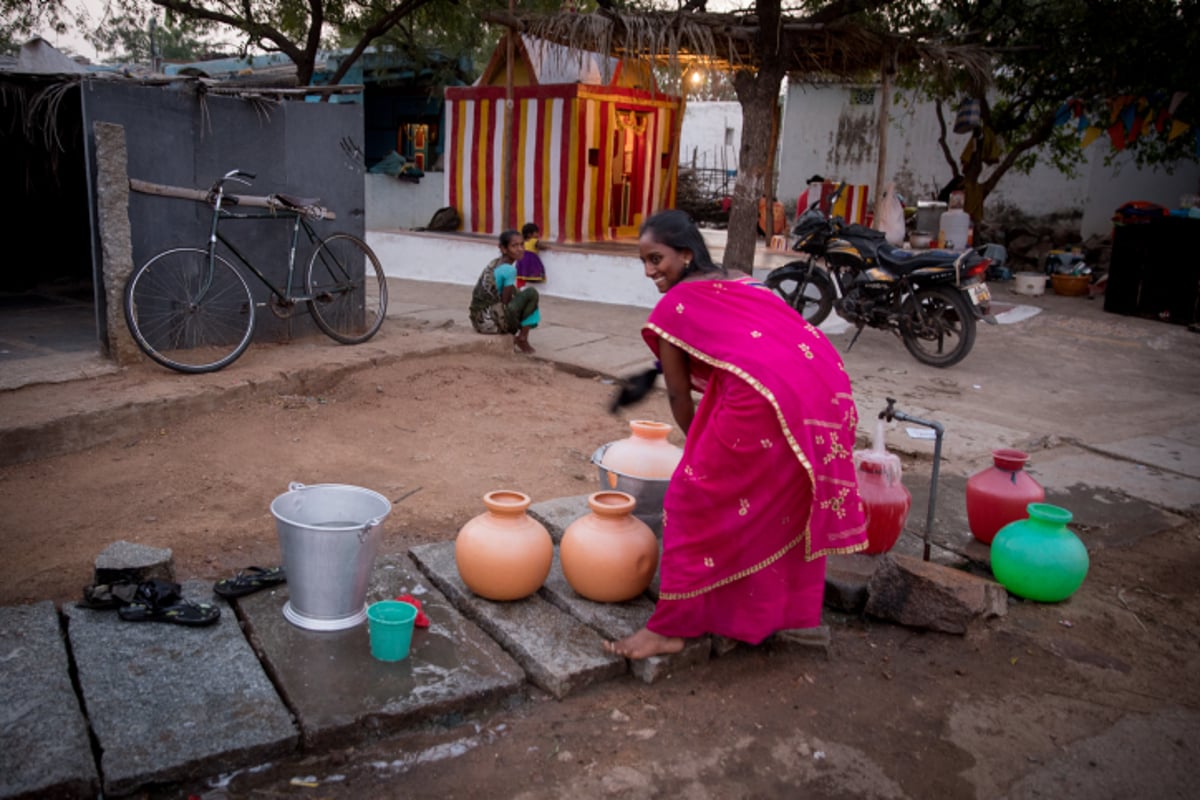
[[663, 264]]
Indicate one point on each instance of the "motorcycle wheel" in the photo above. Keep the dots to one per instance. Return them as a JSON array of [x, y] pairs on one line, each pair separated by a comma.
[[938, 326], [810, 292]]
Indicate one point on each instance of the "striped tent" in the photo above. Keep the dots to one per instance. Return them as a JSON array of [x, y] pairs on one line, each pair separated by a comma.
[[593, 145]]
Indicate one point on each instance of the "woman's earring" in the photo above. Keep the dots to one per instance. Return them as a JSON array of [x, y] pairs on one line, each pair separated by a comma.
[[687, 267]]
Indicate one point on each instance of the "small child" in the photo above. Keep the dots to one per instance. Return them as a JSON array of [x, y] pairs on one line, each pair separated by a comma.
[[529, 265]]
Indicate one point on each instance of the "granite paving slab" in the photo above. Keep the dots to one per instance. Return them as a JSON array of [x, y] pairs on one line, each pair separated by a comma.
[[170, 702], [560, 512], [340, 692], [559, 653], [44, 747]]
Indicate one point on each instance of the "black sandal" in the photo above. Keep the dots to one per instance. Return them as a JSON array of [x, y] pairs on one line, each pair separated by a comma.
[[248, 581], [160, 601], [105, 596]]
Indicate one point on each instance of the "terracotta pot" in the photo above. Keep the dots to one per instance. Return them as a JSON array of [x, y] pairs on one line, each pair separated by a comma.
[[609, 555], [1040, 558], [1000, 494], [504, 554], [646, 453]]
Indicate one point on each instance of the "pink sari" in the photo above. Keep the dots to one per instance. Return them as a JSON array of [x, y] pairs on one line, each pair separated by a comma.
[[766, 488]]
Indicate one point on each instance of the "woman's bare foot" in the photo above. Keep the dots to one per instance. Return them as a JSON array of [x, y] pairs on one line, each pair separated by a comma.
[[523, 345], [644, 644]]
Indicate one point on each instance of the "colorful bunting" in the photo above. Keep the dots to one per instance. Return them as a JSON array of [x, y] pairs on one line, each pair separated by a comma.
[[1178, 128], [1090, 135]]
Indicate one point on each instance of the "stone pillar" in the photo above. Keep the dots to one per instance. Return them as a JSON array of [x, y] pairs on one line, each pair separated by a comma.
[[116, 245]]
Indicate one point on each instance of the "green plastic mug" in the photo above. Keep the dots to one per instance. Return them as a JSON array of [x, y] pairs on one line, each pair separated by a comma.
[[390, 628]]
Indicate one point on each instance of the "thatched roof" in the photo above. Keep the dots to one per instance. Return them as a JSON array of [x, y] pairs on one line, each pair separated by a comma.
[[840, 49]]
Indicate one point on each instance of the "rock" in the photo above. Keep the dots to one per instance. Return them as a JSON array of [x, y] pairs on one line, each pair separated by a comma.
[[922, 594], [127, 562]]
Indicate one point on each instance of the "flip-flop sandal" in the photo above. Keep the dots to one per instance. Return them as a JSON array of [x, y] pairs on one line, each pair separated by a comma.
[[421, 621], [248, 581], [182, 612], [104, 596], [160, 601]]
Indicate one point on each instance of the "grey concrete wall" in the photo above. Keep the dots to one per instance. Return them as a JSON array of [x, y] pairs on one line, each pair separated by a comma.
[[179, 138]]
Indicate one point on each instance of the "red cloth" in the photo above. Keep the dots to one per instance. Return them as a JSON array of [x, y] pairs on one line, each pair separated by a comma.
[[421, 621], [766, 488]]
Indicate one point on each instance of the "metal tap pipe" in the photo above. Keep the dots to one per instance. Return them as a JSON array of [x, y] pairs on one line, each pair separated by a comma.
[[890, 413]]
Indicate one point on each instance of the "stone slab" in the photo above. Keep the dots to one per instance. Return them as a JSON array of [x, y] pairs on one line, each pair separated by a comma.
[[1080, 473], [617, 620], [1176, 451], [559, 653], [339, 692], [171, 703], [557, 514], [44, 747]]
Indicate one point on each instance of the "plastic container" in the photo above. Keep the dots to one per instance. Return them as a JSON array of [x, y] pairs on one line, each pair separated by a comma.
[[954, 230], [1071, 285], [328, 534], [1039, 558], [1031, 284], [390, 628], [1000, 494], [885, 497]]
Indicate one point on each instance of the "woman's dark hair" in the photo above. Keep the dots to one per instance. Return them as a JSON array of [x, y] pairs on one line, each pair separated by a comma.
[[508, 236], [675, 229], [529, 230]]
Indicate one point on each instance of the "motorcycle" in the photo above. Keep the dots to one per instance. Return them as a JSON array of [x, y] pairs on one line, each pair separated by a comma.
[[931, 299]]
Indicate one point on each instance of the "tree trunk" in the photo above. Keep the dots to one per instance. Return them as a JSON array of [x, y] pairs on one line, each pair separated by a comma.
[[758, 94]]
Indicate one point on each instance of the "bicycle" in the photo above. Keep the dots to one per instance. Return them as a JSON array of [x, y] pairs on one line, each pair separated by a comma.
[[191, 310]]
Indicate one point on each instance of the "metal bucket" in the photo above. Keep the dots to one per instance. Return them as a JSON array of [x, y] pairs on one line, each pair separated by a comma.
[[328, 534], [647, 492]]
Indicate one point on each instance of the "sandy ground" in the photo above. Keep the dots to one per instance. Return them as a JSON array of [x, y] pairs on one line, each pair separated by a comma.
[[1090, 698]]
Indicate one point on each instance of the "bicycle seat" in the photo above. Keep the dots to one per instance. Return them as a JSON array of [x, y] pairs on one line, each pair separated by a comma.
[[298, 203]]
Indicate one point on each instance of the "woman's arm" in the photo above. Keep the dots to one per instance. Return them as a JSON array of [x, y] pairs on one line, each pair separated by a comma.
[[677, 375]]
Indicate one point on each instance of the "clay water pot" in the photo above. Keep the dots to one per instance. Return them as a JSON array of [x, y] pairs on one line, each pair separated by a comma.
[[504, 554], [609, 555], [1000, 494], [1040, 558], [645, 453]]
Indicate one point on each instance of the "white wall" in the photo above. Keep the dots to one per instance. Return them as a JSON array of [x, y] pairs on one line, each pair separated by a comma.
[[702, 139], [577, 273], [393, 204], [824, 134]]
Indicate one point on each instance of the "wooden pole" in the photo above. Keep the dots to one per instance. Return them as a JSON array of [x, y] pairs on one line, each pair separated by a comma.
[[506, 192]]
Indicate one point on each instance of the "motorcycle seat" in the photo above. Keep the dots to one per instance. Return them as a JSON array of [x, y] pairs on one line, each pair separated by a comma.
[[902, 260]]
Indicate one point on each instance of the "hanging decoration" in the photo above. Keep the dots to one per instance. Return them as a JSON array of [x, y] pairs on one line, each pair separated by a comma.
[[1129, 117]]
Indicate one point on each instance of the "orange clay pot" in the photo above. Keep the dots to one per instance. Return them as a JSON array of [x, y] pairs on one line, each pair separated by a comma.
[[609, 555], [646, 453], [504, 554]]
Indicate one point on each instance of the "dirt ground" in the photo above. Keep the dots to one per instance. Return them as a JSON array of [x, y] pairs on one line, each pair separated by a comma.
[[1092, 698]]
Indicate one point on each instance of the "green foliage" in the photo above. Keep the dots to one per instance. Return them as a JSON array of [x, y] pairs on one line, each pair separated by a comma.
[[127, 38], [21, 19], [1048, 53]]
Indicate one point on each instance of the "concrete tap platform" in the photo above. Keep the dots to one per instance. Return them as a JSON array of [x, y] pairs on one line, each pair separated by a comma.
[[340, 693]]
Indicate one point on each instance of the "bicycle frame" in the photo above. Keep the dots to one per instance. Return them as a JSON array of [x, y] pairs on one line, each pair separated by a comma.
[[220, 213]]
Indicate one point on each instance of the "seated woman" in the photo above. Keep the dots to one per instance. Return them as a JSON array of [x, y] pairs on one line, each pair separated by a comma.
[[497, 306]]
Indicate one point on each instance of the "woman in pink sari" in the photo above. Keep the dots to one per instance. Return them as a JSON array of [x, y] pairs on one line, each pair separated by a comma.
[[766, 488]]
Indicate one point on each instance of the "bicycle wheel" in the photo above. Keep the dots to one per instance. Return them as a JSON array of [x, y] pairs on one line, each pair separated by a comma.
[[347, 287], [187, 316]]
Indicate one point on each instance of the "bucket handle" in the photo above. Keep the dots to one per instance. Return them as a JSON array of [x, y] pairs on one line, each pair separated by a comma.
[[366, 528], [295, 486]]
